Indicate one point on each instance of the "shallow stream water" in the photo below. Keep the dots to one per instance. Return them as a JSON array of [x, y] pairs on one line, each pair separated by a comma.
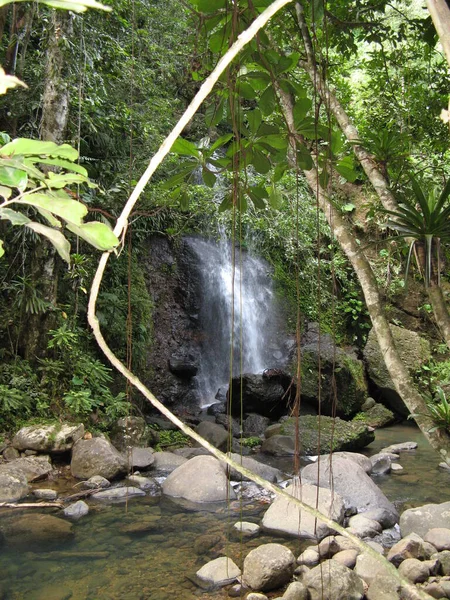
[[148, 550]]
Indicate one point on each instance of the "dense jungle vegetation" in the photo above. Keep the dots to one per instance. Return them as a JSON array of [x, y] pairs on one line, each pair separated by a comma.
[[326, 139]]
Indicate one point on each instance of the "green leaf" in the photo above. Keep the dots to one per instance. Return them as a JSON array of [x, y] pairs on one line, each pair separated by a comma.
[[51, 220], [254, 119], [179, 177], [185, 148], [260, 162], [267, 102], [277, 141], [2, 251], [245, 90], [317, 10], [184, 200], [301, 109], [28, 147], [224, 139], [258, 80], [275, 198], [348, 207], [5, 192], [97, 234], [56, 238], [13, 178], [257, 194], [304, 159], [345, 167], [226, 203], [16, 218], [208, 177], [242, 202], [286, 63], [214, 114], [71, 211], [78, 6], [58, 162], [61, 180], [279, 171], [209, 6]]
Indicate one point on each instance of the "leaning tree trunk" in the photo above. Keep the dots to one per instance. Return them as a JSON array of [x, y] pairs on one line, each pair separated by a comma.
[[55, 113], [370, 166], [439, 439]]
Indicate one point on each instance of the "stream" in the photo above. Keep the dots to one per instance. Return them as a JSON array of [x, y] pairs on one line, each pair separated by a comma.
[[149, 549]]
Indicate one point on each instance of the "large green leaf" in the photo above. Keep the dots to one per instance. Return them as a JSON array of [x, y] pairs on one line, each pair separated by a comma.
[[276, 141], [208, 177], [185, 148], [304, 159], [245, 90], [267, 102], [258, 80], [58, 162], [224, 139], [260, 162], [15, 178], [286, 63], [254, 118], [275, 198], [301, 109], [61, 180], [97, 234], [69, 210], [16, 218], [28, 147], [346, 168], [209, 6], [2, 251], [56, 238], [214, 114], [226, 203], [78, 6], [179, 177]]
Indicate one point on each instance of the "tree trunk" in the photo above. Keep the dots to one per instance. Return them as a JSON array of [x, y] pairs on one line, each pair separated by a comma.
[[439, 439], [440, 14]]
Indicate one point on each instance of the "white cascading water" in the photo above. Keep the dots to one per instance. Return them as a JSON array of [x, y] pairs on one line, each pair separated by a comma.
[[253, 315]]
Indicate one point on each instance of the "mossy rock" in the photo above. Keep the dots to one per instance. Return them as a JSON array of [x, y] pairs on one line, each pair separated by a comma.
[[335, 434], [342, 378], [377, 416]]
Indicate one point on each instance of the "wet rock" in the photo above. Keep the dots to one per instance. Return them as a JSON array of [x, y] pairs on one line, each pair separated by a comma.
[[377, 416], [255, 425], [351, 482], [35, 468], [145, 483], [230, 423], [133, 432], [429, 516], [76, 510], [333, 581], [256, 596], [363, 461], [59, 437], [259, 394], [439, 537], [414, 570], [166, 462], [94, 482], [268, 567], [384, 587], [402, 447], [213, 433], [284, 517], [218, 408], [118, 494], [413, 350], [37, 531], [201, 479], [247, 529], [381, 464], [185, 367], [219, 572], [13, 486], [189, 452], [296, 591], [97, 457], [280, 445], [265, 471], [45, 494], [204, 543], [396, 468], [140, 458]]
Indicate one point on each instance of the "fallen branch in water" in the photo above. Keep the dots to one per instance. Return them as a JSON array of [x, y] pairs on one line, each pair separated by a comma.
[[31, 505]]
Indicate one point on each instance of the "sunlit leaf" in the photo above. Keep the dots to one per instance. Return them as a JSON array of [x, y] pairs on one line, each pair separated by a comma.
[[60, 243], [78, 6], [8, 82], [209, 6], [69, 210], [58, 162], [275, 198], [5, 192], [208, 177], [27, 147], [2, 251], [16, 218], [224, 139], [13, 178], [348, 207], [185, 148], [51, 220], [61, 180], [97, 234], [345, 167]]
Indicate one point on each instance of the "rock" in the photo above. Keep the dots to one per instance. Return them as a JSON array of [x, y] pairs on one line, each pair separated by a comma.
[[34, 468], [429, 516], [189, 452], [384, 517], [384, 587], [381, 464], [76, 510], [201, 479], [435, 590], [204, 543], [444, 561], [364, 527], [296, 591], [218, 408], [59, 437], [219, 572], [332, 581], [414, 570], [37, 531], [368, 404], [396, 448], [309, 558], [45, 494], [230, 423], [395, 467], [377, 416], [118, 494], [351, 483], [255, 425], [166, 462], [247, 529], [215, 434], [274, 429], [140, 458], [369, 568], [10, 453], [280, 445], [406, 548], [413, 350], [13, 486], [145, 483], [133, 432], [267, 472], [97, 457], [268, 567], [363, 461], [335, 543], [260, 395], [346, 558], [94, 482], [343, 435], [183, 366], [256, 596], [284, 517], [439, 537]]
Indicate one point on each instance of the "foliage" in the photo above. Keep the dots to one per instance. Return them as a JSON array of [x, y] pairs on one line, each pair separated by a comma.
[[439, 408], [251, 442], [171, 439]]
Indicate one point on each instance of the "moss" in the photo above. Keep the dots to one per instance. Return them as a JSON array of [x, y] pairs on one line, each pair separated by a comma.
[[377, 416]]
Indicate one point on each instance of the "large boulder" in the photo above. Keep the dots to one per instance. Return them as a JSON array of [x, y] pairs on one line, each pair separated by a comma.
[[215, 434], [200, 479], [133, 432], [335, 435], [333, 581], [97, 456], [34, 468], [420, 520], [268, 567], [13, 486], [58, 437], [376, 416], [339, 370], [414, 351], [261, 394], [37, 531], [266, 471], [351, 482], [285, 518]]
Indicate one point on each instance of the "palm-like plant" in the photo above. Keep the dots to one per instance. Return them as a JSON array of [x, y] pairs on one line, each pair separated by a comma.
[[426, 221]]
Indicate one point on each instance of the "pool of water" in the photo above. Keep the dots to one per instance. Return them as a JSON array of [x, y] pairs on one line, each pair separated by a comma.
[[150, 549]]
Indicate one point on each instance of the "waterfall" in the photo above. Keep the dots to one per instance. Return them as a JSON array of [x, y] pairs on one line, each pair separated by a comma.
[[255, 322]]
